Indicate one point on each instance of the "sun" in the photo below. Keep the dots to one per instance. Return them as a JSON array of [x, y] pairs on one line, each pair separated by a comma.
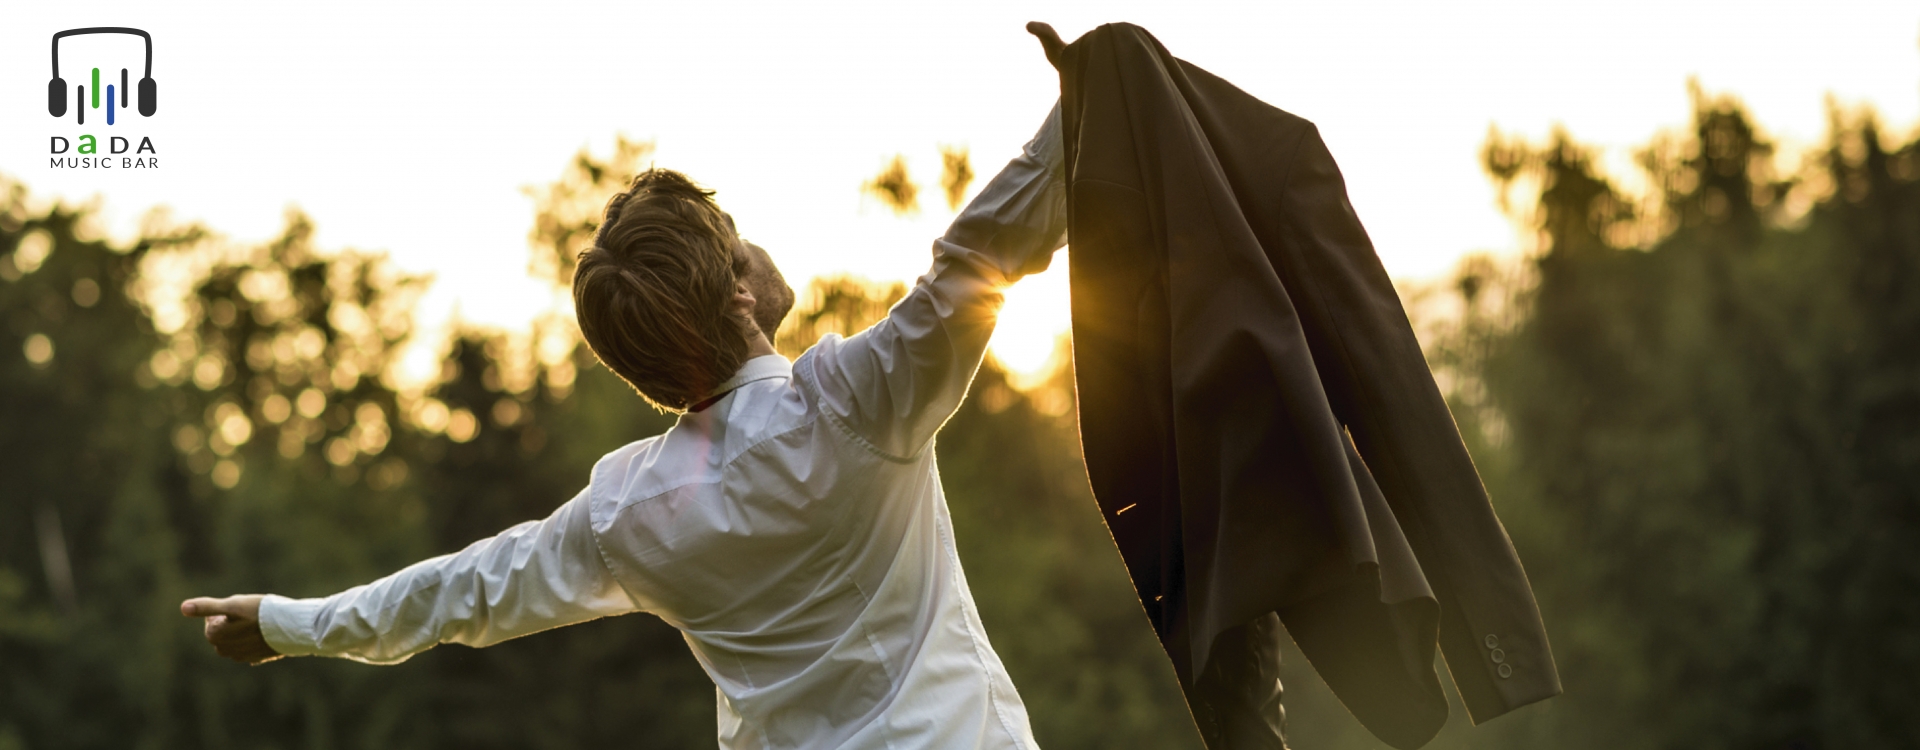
[[1030, 341]]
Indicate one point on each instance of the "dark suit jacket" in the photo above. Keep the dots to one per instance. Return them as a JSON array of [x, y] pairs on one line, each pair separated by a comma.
[[1260, 426]]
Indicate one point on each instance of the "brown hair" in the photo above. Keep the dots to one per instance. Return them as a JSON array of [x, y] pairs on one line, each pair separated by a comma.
[[652, 293]]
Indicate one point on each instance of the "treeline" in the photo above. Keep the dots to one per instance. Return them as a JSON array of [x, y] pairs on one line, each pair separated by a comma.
[[1697, 410]]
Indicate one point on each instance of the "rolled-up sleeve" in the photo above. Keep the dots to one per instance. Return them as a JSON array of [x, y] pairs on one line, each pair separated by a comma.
[[532, 577]]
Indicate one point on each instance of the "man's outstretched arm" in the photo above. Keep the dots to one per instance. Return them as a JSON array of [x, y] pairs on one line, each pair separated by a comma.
[[895, 383], [534, 576]]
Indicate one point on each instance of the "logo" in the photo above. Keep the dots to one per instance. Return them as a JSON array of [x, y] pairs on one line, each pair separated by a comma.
[[85, 150], [116, 99]]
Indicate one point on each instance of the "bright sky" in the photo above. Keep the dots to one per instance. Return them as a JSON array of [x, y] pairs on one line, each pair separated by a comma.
[[411, 127]]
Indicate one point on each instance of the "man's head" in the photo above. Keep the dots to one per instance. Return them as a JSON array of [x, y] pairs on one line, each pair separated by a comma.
[[772, 296], [669, 297]]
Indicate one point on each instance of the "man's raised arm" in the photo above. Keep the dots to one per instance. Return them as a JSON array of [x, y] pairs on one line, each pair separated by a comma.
[[895, 383], [534, 576]]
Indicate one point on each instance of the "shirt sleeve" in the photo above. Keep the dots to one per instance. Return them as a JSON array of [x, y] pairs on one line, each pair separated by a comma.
[[534, 576], [897, 382]]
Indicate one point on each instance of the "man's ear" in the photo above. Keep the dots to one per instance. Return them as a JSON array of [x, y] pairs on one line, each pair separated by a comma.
[[742, 302]]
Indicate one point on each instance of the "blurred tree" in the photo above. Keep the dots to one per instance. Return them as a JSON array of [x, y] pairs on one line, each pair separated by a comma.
[[1702, 408], [80, 451], [161, 448], [567, 211], [895, 188], [956, 173], [1698, 411], [842, 305]]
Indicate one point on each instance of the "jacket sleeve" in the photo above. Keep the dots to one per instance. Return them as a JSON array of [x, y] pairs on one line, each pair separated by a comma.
[[534, 576], [896, 383]]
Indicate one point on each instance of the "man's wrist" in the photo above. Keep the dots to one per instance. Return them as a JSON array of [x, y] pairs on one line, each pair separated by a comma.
[[288, 624]]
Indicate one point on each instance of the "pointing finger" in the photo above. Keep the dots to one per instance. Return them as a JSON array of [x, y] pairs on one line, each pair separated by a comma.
[[198, 606], [206, 606]]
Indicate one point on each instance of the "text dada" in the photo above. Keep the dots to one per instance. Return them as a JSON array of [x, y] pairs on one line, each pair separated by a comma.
[[89, 147]]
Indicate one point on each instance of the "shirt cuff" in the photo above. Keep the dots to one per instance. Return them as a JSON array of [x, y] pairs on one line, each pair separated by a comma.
[[287, 624]]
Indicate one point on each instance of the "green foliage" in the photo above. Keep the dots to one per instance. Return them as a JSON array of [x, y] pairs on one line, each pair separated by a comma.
[[836, 304], [1702, 411], [956, 173], [567, 211], [1697, 410], [217, 419], [895, 188], [238, 433]]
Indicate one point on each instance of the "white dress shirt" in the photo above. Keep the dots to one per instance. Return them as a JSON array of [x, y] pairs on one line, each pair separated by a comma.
[[795, 531]]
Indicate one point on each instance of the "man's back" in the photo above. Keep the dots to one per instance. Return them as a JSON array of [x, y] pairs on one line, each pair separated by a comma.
[[813, 573], [791, 524]]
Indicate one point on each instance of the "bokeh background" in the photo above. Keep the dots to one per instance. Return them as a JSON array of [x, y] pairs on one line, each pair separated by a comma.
[[1664, 257]]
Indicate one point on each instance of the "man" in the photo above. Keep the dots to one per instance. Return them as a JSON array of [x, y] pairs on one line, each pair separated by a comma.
[[791, 523]]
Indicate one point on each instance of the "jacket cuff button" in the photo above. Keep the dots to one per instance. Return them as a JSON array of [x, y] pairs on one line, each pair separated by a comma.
[[1492, 641], [1505, 670], [1499, 656]]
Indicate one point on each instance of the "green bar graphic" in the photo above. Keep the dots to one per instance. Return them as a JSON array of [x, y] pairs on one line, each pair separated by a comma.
[[96, 88]]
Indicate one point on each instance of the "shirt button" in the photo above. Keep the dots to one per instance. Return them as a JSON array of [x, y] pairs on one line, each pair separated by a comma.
[[1492, 641], [1499, 656], [1506, 670]]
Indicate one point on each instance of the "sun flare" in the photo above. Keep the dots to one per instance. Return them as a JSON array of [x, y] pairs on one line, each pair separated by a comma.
[[1030, 341]]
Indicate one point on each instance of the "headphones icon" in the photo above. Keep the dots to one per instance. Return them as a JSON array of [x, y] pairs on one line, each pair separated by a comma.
[[57, 88]]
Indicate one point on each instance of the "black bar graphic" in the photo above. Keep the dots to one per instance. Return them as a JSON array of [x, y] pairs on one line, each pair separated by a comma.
[[80, 103]]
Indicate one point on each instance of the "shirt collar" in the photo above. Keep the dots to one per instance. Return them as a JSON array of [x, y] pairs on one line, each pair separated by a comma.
[[764, 367]]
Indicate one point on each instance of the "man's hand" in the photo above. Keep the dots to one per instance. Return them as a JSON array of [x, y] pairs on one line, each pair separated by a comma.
[[233, 627]]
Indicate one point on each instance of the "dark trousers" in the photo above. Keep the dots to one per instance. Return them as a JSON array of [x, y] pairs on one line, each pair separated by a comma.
[[1236, 702]]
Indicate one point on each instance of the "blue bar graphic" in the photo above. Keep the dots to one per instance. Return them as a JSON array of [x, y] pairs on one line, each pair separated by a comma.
[[110, 107]]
